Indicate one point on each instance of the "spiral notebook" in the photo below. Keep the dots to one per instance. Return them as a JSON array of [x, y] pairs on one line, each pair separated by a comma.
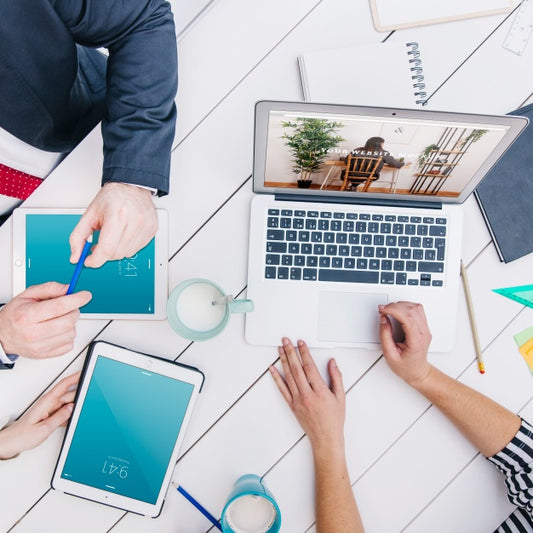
[[389, 74]]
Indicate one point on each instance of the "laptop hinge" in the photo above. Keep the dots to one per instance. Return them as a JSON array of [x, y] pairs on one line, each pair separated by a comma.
[[358, 201]]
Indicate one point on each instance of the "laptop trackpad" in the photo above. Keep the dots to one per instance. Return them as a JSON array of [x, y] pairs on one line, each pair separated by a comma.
[[349, 317]]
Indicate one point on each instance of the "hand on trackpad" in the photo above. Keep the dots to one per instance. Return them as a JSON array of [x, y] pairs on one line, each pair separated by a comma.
[[349, 317]]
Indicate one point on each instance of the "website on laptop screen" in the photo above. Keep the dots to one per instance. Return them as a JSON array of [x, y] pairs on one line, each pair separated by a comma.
[[372, 154]]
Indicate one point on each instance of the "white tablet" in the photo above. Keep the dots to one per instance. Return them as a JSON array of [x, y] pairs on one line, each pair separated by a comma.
[[135, 287], [128, 423]]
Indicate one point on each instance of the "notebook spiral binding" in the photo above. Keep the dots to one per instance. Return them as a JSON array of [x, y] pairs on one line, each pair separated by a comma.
[[418, 73]]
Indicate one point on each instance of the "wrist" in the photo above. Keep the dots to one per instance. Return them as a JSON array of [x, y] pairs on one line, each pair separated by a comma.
[[7, 359], [328, 448], [420, 380], [148, 191], [7, 451]]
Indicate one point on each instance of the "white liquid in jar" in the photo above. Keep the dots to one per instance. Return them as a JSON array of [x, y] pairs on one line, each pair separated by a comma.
[[251, 514], [195, 307]]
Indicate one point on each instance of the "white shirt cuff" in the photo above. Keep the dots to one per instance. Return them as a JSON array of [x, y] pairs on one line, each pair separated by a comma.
[[151, 189], [3, 356]]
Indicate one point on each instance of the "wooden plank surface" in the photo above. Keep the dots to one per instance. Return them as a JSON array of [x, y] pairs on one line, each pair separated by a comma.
[[232, 54]]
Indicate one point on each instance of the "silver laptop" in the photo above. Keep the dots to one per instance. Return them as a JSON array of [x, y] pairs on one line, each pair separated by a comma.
[[360, 206]]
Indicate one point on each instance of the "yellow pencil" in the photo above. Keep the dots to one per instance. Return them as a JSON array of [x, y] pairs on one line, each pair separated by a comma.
[[470, 307]]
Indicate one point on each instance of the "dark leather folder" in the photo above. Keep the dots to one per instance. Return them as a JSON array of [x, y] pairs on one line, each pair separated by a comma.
[[505, 196]]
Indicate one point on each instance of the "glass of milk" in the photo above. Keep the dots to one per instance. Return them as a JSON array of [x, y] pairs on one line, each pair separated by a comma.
[[199, 309], [250, 508]]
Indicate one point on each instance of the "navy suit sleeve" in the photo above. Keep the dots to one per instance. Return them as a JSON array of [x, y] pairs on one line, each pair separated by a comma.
[[139, 122]]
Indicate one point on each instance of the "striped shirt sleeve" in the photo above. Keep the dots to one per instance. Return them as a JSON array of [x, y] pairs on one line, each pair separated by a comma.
[[515, 461]]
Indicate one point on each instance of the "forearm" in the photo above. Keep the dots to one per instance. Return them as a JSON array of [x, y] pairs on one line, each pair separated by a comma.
[[138, 127], [336, 510], [485, 423], [392, 161], [138, 130]]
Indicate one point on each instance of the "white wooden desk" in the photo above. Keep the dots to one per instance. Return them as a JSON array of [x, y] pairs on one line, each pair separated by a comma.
[[410, 469]]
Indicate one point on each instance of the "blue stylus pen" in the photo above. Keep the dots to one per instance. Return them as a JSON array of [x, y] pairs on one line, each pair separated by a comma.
[[79, 265], [204, 511]]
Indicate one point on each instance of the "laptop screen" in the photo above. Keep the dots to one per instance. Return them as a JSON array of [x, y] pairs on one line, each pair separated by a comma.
[[353, 151]]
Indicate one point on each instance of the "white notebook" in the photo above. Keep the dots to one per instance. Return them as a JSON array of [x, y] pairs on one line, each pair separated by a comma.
[[380, 74], [389, 74], [391, 15]]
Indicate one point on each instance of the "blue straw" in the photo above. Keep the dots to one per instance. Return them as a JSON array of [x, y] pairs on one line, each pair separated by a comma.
[[204, 511]]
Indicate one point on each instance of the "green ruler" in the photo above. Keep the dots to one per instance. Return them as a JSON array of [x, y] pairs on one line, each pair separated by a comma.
[[522, 294]]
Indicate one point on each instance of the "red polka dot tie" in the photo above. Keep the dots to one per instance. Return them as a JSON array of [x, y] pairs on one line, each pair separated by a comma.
[[17, 184]]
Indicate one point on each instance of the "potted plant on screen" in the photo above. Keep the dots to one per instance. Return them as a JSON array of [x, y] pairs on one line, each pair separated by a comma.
[[309, 142], [424, 155]]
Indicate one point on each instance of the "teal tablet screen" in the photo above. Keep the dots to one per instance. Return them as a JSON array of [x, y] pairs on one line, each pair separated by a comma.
[[125, 286], [127, 430]]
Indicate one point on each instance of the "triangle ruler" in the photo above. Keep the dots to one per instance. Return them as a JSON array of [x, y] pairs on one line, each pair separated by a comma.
[[522, 294]]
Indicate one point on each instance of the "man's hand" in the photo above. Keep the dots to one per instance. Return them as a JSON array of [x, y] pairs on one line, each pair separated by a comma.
[[407, 359], [41, 321], [125, 215], [41, 420], [319, 409]]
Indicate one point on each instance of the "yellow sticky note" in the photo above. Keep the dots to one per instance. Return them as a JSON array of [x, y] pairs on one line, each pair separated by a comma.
[[527, 353]]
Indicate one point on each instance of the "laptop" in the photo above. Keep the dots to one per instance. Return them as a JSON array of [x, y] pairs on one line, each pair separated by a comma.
[[357, 207]]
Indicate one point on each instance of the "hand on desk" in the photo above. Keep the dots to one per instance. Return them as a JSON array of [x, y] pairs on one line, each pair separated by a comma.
[[321, 413], [319, 409], [47, 414], [126, 217], [486, 424], [41, 321]]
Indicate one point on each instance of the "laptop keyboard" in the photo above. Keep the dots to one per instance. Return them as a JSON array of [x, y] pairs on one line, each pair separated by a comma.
[[355, 247]]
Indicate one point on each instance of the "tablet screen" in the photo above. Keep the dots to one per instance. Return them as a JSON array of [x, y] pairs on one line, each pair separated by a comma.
[[125, 286], [127, 430]]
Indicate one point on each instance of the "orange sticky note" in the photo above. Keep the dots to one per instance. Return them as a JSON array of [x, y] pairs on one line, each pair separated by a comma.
[[527, 353]]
